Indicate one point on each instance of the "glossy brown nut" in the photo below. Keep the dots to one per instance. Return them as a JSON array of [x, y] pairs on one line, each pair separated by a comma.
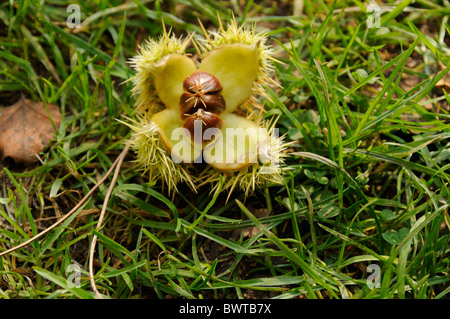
[[201, 82], [190, 103], [200, 121], [215, 103]]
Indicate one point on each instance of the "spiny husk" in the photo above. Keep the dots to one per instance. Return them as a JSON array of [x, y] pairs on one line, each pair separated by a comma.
[[151, 154], [153, 158], [150, 53], [255, 175], [243, 35]]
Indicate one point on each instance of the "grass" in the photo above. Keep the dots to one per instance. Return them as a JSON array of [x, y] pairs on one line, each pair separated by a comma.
[[366, 180]]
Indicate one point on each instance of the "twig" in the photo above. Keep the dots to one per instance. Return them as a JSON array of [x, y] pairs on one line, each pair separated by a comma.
[[73, 210], [118, 163]]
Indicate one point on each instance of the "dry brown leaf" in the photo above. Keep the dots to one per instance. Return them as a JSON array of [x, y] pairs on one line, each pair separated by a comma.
[[444, 83], [25, 129], [253, 230]]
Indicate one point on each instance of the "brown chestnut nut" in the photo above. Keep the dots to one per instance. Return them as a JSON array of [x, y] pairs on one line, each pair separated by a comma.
[[202, 82], [190, 103], [198, 122], [202, 91]]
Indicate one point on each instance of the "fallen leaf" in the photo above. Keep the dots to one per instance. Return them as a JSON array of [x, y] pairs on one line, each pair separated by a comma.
[[253, 230], [444, 83], [25, 129]]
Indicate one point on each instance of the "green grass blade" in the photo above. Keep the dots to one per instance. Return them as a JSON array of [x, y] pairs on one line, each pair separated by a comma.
[[313, 273], [64, 283]]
